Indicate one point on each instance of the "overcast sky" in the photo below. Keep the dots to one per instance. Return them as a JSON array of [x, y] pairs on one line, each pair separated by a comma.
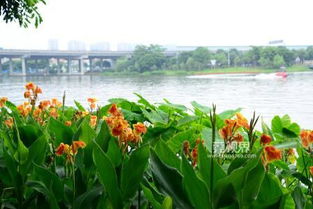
[[167, 22]]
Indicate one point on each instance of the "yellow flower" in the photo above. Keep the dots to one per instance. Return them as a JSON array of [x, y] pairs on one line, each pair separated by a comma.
[[9, 122]]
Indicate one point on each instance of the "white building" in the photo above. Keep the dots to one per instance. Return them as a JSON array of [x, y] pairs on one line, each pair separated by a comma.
[[75, 45]]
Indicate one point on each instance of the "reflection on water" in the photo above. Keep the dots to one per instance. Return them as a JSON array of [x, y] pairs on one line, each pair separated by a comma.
[[266, 95]]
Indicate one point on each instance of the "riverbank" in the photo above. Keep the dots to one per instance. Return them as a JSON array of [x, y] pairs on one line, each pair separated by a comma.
[[232, 70]]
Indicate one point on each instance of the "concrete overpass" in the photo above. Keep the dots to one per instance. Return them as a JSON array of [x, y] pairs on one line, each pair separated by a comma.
[[69, 56]]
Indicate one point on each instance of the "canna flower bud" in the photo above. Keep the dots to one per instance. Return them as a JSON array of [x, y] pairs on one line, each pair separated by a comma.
[[265, 139]]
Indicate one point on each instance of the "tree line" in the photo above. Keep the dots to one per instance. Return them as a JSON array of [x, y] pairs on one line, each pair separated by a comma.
[[152, 57]]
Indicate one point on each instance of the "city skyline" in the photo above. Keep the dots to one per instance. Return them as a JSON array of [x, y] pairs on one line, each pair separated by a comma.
[[187, 23]]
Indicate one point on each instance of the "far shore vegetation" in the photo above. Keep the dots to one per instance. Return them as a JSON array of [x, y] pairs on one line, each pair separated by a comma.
[[151, 60]]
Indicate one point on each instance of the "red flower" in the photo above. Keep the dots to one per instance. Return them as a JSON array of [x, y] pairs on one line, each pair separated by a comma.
[[265, 139], [60, 150], [77, 145], [114, 110], [140, 128], [272, 153]]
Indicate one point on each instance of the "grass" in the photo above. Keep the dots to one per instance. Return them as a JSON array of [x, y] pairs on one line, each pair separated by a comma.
[[294, 68]]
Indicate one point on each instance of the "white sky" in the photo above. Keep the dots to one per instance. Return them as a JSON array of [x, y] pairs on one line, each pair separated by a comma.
[[168, 22]]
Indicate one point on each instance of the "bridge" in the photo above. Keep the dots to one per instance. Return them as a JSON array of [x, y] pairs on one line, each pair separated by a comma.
[[82, 59]]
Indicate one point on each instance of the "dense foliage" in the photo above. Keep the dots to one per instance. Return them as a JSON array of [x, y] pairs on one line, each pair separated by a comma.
[[23, 11], [139, 155], [148, 58]]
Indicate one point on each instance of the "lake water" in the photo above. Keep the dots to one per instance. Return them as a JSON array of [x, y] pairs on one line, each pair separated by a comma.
[[265, 94]]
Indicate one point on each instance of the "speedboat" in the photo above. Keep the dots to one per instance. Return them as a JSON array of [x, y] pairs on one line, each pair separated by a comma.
[[281, 74]]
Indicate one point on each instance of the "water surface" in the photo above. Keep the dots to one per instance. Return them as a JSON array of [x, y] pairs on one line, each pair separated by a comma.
[[265, 94]]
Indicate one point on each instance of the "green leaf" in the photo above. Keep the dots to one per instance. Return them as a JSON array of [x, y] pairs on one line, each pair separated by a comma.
[[107, 176], [201, 108], [42, 188], [114, 152], [186, 120], [132, 171], [205, 168], [298, 197], [50, 180], [195, 188], [21, 153], [103, 136], [149, 195], [167, 155], [176, 142], [61, 132], [87, 199], [169, 180], [167, 203], [79, 106]]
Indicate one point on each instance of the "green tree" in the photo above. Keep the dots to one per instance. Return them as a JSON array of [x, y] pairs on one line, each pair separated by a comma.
[[278, 61], [23, 11], [147, 58]]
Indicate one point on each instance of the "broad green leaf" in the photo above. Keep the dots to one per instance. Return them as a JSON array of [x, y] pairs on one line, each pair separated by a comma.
[[149, 195], [201, 108], [298, 197], [132, 171], [167, 155], [176, 143], [60, 132], [79, 106], [50, 180], [195, 188], [107, 176], [42, 188], [205, 168], [87, 199], [169, 180]]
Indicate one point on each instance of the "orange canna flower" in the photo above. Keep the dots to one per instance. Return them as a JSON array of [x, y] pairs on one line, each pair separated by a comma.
[[68, 123], [186, 147], [194, 156], [54, 112], [77, 145], [55, 102], [30, 86], [3, 100], [44, 104], [9, 122], [92, 100], [93, 120], [242, 121], [38, 90], [27, 94], [114, 110], [117, 130], [272, 153], [306, 138], [140, 128], [60, 150], [265, 139], [238, 138], [311, 170]]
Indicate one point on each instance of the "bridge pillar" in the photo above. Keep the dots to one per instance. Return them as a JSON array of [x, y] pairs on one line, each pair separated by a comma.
[[90, 64], [58, 66], [10, 66], [0, 64], [81, 66], [23, 66], [68, 65]]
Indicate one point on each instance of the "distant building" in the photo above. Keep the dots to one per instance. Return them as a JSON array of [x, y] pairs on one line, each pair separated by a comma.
[[76, 45], [100, 46], [53, 44], [126, 47]]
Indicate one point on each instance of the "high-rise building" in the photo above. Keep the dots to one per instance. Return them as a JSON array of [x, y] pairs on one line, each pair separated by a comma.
[[75, 45], [100, 46], [53, 44], [126, 47]]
